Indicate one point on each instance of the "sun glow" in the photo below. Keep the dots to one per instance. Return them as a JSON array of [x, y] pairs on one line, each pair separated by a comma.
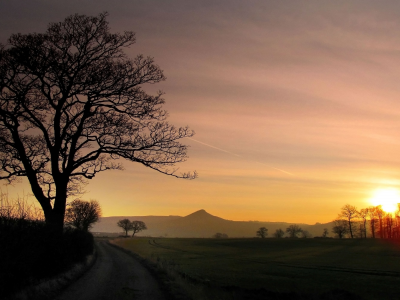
[[388, 198]]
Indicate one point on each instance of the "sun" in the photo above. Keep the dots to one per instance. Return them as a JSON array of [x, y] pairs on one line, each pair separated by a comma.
[[387, 197]]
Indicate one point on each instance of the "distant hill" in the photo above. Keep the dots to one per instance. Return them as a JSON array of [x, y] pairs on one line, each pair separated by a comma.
[[200, 224]]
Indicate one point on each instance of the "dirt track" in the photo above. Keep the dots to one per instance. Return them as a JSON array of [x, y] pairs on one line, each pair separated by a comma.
[[115, 275]]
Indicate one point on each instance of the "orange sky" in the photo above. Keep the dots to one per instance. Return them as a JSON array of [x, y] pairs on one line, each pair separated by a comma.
[[301, 98]]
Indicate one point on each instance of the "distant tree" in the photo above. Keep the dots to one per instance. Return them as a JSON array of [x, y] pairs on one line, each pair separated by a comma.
[[219, 235], [372, 214], [138, 226], [82, 214], [340, 228], [293, 230], [349, 213], [325, 233], [278, 233], [380, 214], [305, 234], [262, 232], [126, 225], [363, 214], [388, 218], [396, 228]]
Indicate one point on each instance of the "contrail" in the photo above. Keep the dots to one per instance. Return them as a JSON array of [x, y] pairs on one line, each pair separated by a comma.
[[208, 145], [214, 147]]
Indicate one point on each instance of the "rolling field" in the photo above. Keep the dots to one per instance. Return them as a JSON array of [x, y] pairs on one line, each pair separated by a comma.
[[368, 268]]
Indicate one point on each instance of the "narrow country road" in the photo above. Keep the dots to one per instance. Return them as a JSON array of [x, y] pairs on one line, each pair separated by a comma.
[[115, 275]]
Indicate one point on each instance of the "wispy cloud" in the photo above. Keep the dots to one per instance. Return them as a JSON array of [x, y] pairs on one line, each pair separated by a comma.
[[237, 155]]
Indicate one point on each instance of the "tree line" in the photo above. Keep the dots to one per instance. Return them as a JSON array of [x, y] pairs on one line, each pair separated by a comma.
[[293, 231], [372, 222], [367, 222]]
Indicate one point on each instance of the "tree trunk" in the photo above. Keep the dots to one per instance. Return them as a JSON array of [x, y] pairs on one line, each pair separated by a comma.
[[351, 231], [365, 228], [55, 222], [373, 227], [381, 228], [55, 216]]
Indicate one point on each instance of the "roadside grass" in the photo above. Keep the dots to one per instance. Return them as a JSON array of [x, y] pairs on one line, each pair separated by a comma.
[[276, 268]]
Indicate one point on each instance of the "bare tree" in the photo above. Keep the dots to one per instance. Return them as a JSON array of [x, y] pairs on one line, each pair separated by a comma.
[[380, 214], [279, 233], [72, 103], [126, 225], [396, 227], [262, 232], [305, 234], [363, 214], [388, 218], [293, 230], [372, 214], [82, 214], [340, 228], [349, 213], [325, 233], [220, 235], [138, 226]]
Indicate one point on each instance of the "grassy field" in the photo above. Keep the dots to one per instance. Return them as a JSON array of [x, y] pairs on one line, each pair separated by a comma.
[[368, 268]]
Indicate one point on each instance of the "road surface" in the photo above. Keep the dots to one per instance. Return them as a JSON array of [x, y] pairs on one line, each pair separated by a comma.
[[115, 275]]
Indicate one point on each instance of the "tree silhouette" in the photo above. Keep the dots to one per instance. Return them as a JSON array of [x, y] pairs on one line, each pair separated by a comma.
[[380, 214], [72, 103], [372, 214], [137, 226], [340, 228], [293, 230], [125, 224], [325, 233], [349, 212], [262, 232], [82, 214], [220, 235], [305, 234], [278, 233], [363, 214]]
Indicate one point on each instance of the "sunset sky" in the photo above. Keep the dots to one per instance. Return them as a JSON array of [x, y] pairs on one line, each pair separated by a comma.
[[295, 104]]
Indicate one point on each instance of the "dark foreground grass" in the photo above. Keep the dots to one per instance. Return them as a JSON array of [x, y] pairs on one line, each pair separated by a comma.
[[278, 268]]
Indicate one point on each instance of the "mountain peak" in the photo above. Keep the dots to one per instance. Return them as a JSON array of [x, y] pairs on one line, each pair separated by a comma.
[[200, 212], [201, 215]]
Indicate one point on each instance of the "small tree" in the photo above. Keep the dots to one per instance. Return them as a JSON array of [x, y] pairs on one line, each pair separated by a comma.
[[340, 228], [380, 214], [82, 214], [325, 233], [293, 230], [262, 232], [125, 224], [305, 234], [279, 233], [363, 214], [349, 213], [219, 235], [138, 226], [372, 219]]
